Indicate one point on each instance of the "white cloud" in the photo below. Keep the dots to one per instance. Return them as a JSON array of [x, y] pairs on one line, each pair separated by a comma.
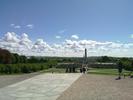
[[11, 37], [15, 43], [30, 26], [74, 37], [57, 37], [12, 25], [41, 46], [62, 31], [131, 36], [70, 47], [25, 40], [116, 45], [17, 26], [57, 46], [40, 42]]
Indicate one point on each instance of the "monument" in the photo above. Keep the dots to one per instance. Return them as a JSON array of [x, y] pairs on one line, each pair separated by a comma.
[[71, 66], [85, 57]]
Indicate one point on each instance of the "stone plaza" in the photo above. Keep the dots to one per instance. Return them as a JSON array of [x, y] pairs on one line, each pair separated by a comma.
[[40, 87]]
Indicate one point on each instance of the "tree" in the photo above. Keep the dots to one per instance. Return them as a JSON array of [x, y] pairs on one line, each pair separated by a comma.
[[5, 56], [33, 60], [104, 59], [24, 59], [17, 58]]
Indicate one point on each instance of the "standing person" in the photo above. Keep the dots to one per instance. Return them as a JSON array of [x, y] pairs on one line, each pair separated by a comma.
[[120, 68], [130, 74], [84, 70], [81, 70]]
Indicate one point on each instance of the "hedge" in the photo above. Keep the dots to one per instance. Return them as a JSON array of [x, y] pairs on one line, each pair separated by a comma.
[[22, 68]]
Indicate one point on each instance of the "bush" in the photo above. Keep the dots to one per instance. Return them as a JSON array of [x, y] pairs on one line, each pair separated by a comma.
[[22, 68], [127, 65], [25, 69]]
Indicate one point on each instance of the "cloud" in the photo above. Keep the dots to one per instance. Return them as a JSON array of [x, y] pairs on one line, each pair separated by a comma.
[[17, 44], [62, 31], [30, 26], [12, 25], [40, 42], [22, 44], [131, 35], [11, 37], [17, 26], [99, 48], [57, 37], [25, 40], [41, 46], [57, 46], [74, 37], [116, 45]]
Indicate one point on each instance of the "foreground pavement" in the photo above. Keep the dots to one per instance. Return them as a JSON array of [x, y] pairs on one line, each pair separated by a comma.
[[99, 87], [6, 80], [40, 87]]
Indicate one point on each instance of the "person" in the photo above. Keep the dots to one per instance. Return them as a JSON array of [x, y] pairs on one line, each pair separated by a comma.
[[81, 70], [130, 74], [84, 70], [120, 68]]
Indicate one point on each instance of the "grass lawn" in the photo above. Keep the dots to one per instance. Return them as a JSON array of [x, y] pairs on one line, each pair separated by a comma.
[[106, 71], [90, 71]]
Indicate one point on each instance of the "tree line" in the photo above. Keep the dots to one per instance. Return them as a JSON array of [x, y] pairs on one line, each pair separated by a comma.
[[13, 58], [14, 63], [126, 61]]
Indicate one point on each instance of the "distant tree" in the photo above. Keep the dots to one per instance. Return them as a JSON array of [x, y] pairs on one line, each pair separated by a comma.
[[24, 59], [13, 59], [41, 60], [104, 59], [5, 56], [17, 58], [127, 63], [33, 60]]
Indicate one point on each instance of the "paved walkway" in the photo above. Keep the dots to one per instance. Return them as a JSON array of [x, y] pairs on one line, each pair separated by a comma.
[[40, 87], [6, 80], [99, 87]]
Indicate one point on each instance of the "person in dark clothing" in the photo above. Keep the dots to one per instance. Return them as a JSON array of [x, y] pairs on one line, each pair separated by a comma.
[[120, 68], [130, 74], [81, 70], [84, 70]]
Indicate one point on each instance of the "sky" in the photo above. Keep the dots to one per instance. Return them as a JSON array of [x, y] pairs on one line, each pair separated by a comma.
[[67, 27]]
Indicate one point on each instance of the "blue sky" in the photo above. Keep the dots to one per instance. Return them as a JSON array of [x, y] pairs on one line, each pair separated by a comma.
[[97, 20]]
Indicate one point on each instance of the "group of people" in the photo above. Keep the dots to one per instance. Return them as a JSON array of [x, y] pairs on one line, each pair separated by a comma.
[[83, 70]]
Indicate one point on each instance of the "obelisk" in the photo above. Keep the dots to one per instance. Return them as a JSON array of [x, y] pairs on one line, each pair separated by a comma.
[[85, 56]]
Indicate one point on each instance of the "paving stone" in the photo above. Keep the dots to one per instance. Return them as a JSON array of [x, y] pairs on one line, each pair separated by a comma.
[[99, 87], [40, 87]]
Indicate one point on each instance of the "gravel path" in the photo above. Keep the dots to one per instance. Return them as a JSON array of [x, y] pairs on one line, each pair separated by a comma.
[[99, 87], [6, 80]]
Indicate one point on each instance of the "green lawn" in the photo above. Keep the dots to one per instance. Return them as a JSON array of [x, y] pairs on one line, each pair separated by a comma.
[[106, 71], [91, 71]]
